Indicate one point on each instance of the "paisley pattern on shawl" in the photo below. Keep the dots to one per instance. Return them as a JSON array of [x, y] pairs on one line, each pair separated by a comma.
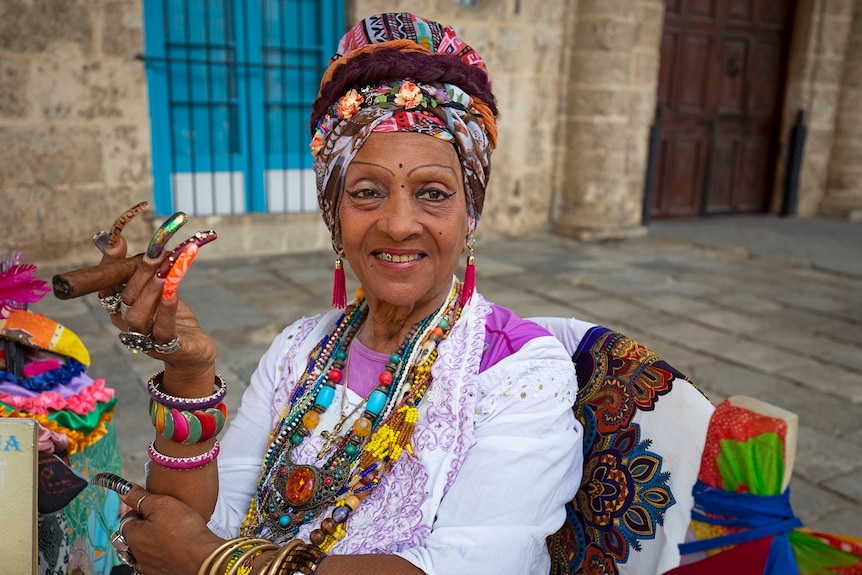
[[391, 518], [624, 493]]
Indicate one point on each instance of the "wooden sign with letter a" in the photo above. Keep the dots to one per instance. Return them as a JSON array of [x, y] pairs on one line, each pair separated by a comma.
[[19, 453]]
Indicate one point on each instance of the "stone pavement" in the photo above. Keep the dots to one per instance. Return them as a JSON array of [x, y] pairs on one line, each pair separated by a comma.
[[760, 306]]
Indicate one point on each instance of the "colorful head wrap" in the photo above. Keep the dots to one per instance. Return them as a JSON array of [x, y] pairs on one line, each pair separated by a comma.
[[440, 110]]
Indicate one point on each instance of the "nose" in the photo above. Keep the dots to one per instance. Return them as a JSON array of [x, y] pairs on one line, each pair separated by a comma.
[[400, 218]]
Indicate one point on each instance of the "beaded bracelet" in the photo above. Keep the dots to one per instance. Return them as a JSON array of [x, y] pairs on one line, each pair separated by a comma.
[[188, 426], [154, 385], [183, 463]]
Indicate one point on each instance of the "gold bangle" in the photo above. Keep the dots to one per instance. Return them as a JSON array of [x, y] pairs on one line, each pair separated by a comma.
[[254, 551], [273, 567], [207, 562], [213, 561], [220, 566]]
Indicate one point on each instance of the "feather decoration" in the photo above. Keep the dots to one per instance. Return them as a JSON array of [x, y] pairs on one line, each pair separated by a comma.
[[19, 286]]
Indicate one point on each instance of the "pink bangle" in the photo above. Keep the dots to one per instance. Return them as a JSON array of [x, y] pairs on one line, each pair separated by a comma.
[[183, 463]]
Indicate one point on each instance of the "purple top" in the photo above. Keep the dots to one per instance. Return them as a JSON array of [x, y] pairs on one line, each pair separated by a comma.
[[505, 333]]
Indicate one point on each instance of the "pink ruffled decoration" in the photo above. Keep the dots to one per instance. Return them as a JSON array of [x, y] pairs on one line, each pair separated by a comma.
[[81, 403], [51, 441]]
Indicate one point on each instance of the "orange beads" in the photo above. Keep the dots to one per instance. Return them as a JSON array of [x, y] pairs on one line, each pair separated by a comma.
[[362, 427], [311, 419], [352, 501]]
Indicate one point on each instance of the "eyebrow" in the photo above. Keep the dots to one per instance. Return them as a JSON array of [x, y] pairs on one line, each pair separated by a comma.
[[373, 165], [410, 173]]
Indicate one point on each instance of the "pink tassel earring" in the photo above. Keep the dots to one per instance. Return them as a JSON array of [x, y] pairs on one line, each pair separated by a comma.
[[469, 284], [339, 284]]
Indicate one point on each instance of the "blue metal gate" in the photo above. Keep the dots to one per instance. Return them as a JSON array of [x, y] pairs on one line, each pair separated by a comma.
[[230, 89]]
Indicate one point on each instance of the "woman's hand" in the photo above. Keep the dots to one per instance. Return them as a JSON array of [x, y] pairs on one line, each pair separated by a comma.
[[165, 536], [149, 310]]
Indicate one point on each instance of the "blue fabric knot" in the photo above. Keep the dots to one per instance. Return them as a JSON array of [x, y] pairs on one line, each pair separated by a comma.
[[757, 515], [48, 380]]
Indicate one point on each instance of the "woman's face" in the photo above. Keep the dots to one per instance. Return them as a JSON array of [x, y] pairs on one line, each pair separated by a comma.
[[403, 218]]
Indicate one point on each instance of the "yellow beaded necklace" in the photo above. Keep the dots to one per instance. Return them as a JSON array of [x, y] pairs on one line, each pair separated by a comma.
[[290, 495]]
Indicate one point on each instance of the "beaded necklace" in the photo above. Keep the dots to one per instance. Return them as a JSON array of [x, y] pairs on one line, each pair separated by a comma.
[[290, 495]]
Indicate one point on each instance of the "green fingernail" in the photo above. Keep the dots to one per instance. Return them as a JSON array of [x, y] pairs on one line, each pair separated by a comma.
[[163, 235]]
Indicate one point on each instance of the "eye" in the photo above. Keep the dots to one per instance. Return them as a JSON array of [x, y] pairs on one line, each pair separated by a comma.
[[364, 194], [434, 194]]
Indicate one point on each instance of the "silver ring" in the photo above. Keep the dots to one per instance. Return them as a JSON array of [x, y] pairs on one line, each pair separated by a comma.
[[123, 522], [122, 547], [118, 541], [137, 342], [127, 558], [124, 308], [111, 304], [172, 346]]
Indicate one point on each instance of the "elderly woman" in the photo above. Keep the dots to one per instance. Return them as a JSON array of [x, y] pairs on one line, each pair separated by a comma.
[[422, 429]]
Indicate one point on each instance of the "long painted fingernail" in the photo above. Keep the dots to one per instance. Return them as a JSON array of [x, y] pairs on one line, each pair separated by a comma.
[[199, 239], [112, 482], [178, 270], [163, 235], [100, 240], [124, 219]]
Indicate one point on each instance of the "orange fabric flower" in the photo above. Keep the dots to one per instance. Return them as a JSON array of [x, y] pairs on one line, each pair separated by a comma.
[[316, 144], [409, 96], [349, 104]]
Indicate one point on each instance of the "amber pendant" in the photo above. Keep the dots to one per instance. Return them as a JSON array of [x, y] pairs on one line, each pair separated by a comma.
[[300, 485], [301, 493]]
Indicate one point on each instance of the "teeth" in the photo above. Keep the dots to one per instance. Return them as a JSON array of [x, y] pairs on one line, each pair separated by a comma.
[[397, 259]]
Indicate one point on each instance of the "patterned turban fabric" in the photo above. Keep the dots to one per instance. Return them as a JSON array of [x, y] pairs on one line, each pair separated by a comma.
[[439, 110]]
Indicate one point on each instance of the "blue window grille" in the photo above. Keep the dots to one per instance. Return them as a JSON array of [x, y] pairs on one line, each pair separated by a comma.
[[231, 84]]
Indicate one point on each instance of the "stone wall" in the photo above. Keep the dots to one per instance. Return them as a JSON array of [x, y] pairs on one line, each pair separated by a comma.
[[74, 124], [816, 72], [576, 82], [523, 45], [610, 102], [844, 182]]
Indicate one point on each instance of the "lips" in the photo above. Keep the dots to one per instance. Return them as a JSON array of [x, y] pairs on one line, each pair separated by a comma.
[[398, 258]]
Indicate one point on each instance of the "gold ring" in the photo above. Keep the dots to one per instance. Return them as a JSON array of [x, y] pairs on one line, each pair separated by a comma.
[[138, 504]]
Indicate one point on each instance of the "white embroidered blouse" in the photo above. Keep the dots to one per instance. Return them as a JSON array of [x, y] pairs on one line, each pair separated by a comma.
[[498, 454]]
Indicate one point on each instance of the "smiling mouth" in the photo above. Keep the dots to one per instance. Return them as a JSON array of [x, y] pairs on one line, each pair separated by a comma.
[[398, 259]]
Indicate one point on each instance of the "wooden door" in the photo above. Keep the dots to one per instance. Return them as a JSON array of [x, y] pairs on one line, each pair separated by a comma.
[[720, 88]]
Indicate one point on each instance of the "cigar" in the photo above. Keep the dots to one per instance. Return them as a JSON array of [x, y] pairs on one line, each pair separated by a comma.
[[84, 281]]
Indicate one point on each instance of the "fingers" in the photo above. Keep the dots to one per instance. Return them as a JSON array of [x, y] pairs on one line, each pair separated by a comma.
[[146, 307], [113, 245], [141, 296], [165, 324], [154, 308], [135, 289]]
